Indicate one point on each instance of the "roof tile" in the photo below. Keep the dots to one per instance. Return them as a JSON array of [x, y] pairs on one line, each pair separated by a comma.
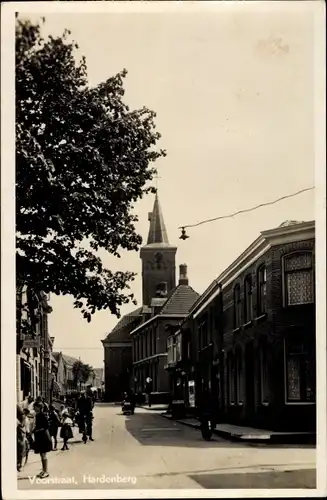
[[180, 301]]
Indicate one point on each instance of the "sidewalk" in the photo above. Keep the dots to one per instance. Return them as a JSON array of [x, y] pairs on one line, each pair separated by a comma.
[[250, 434], [154, 407]]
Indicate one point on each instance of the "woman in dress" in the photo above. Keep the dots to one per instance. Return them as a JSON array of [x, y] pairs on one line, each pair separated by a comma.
[[42, 441]]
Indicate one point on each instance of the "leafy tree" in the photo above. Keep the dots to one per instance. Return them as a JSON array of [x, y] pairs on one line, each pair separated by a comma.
[[83, 159], [77, 372], [87, 373]]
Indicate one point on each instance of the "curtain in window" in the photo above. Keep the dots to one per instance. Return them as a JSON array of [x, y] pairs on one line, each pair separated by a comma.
[[293, 378], [299, 279], [300, 287], [300, 371]]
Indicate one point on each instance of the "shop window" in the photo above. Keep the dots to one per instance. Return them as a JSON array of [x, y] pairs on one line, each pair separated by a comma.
[[231, 379], [298, 279], [299, 371]]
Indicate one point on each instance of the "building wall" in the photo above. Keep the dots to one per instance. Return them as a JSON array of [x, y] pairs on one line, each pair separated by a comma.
[[150, 354], [33, 367], [118, 365], [260, 395]]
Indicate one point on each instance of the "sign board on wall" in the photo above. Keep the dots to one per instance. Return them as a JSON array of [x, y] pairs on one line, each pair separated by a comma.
[[31, 341]]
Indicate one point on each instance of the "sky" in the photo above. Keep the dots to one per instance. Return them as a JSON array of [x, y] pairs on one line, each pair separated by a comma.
[[233, 91]]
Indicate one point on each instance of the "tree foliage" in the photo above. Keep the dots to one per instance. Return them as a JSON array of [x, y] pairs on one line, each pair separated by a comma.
[[81, 372], [83, 159]]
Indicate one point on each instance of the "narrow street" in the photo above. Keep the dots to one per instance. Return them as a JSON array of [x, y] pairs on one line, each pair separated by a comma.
[[147, 451]]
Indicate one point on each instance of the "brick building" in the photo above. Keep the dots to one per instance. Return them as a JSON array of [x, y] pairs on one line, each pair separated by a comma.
[[150, 338], [252, 333], [137, 347], [34, 362], [118, 356]]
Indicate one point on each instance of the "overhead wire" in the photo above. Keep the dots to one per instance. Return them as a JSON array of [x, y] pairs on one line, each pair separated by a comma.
[[247, 209]]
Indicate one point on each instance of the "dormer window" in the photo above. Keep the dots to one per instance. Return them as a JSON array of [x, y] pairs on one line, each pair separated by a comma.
[[298, 279]]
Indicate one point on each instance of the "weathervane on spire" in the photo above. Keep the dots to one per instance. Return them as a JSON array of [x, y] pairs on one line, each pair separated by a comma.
[[156, 177]]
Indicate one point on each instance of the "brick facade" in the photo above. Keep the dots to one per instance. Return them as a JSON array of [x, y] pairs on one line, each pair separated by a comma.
[[259, 363]]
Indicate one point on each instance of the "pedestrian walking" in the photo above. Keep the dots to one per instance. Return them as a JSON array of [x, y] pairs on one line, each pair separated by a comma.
[[22, 445], [85, 406], [66, 432], [54, 424], [42, 438]]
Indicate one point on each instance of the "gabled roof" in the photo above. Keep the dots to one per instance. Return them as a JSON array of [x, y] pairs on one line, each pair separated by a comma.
[[180, 301], [177, 305], [128, 322], [69, 360]]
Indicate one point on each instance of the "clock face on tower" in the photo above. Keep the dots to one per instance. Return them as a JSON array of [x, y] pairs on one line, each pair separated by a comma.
[[158, 258]]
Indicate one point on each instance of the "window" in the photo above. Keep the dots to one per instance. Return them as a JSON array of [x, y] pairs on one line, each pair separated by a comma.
[[264, 388], [298, 279], [248, 299], [188, 349], [231, 379], [262, 290], [299, 371], [174, 349], [238, 374], [203, 335], [154, 332], [237, 306], [146, 342], [170, 353], [178, 347]]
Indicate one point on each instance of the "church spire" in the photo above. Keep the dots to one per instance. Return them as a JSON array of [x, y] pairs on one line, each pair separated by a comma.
[[157, 230]]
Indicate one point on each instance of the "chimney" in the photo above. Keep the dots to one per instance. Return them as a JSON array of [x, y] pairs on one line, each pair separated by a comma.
[[183, 279]]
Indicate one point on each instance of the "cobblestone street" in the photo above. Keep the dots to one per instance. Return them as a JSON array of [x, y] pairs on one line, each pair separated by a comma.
[[146, 451]]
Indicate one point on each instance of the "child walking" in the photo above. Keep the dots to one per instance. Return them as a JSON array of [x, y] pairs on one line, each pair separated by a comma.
[[54, 422], [66, 432]]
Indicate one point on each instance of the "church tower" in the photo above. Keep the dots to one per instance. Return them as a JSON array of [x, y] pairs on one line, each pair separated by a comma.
[[158, 259]]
